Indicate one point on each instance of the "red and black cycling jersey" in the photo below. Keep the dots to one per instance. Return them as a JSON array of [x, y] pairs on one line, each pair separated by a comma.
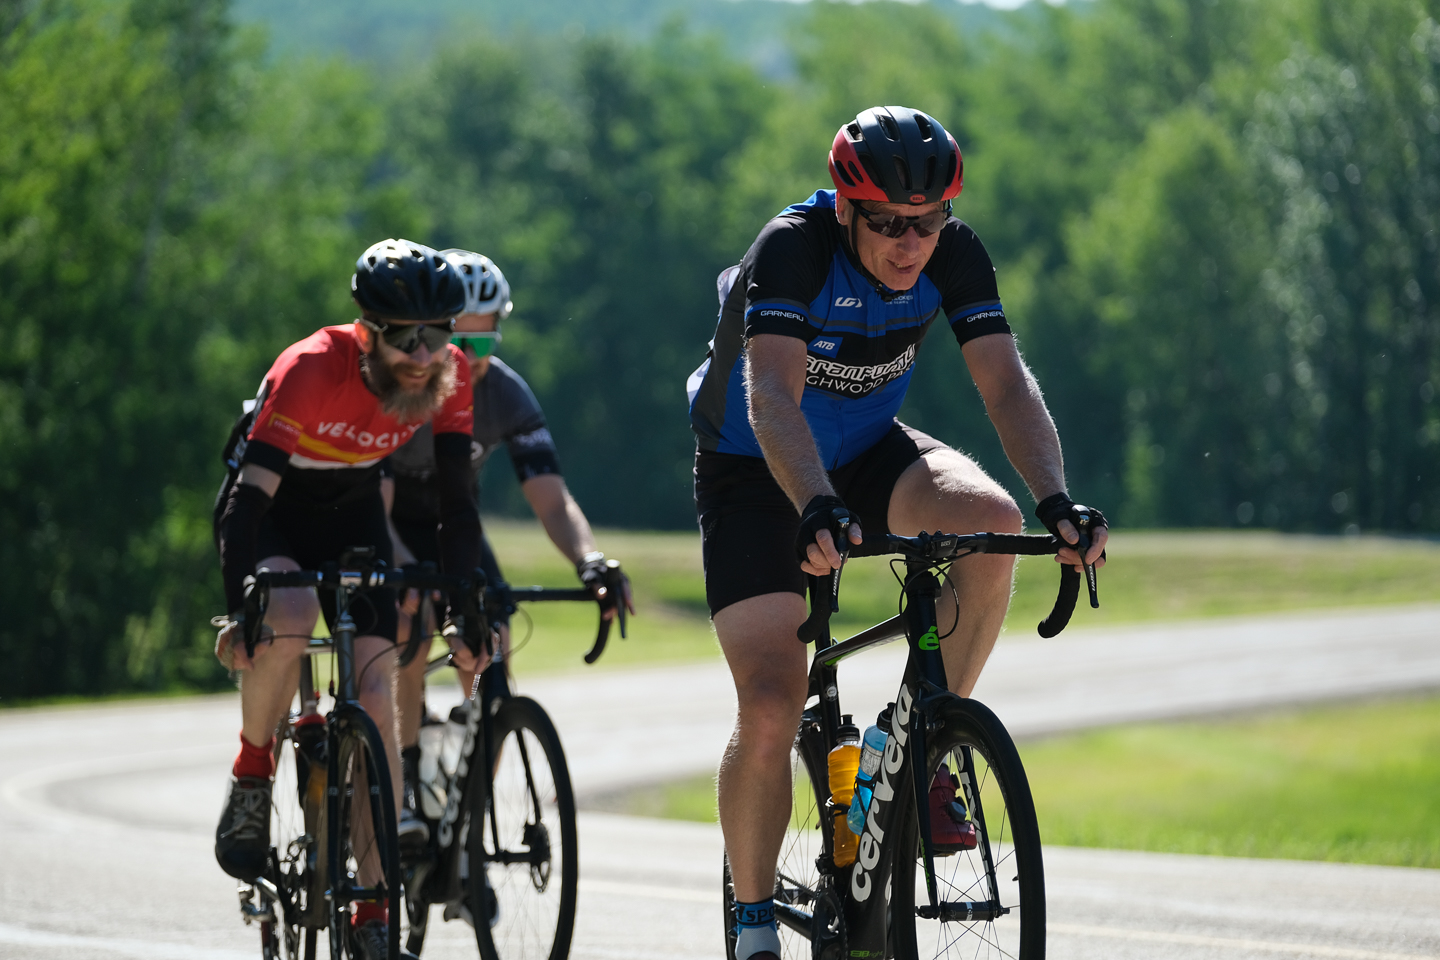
[[322, 429], [800, 279]]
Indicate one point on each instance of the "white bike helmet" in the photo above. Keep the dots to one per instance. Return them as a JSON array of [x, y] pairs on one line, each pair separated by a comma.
[[486, 290]]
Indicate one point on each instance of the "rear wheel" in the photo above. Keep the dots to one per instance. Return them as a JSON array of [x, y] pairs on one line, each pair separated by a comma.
[[365, 866], [1004, 870], [522, 848], [800, 891]]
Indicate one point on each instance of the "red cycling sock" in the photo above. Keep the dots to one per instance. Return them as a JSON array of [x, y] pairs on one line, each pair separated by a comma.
[[365, 912], [255, 761]]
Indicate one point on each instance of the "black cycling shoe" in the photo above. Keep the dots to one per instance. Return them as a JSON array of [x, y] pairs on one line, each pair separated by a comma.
[[370, 941], [242, 840]]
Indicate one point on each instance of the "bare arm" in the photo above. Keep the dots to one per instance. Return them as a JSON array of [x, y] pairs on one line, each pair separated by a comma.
[[774, 382], [257, 476], [560, 515], [1017, 409]]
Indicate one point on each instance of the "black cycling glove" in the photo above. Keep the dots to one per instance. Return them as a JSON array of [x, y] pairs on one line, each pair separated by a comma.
[[1058, 506], [596, 573], [822, 513]]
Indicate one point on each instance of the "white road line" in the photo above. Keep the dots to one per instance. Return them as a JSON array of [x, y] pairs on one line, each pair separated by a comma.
[[1198, 940], [143, 949]]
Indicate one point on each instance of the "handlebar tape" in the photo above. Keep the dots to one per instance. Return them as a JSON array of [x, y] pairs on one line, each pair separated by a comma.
[[817, 626], [1064, 603]]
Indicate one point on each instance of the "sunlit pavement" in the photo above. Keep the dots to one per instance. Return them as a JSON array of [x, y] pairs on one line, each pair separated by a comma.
[[107, 812]]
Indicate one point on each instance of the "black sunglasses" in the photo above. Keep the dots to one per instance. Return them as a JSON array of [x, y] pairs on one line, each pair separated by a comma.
[[888, 225], [407, 337]]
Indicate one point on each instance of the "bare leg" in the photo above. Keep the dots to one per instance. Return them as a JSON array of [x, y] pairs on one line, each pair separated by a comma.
[[947, 491], [268, 689], [375, 658], [769, 668], [410, 684]]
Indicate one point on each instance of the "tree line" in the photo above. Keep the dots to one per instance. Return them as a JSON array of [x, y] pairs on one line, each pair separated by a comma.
[[1214, 224]]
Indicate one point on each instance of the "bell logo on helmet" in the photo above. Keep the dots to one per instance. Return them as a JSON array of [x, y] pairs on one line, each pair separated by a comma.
[[917, 198]]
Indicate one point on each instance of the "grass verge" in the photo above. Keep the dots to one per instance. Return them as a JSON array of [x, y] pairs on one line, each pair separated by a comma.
[[1161, 575], [1358, 783]]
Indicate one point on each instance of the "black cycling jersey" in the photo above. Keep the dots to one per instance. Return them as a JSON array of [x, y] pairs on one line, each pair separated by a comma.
[[799, 279]]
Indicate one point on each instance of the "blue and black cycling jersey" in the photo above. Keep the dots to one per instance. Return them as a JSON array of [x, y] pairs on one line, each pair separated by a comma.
[[799, 279]]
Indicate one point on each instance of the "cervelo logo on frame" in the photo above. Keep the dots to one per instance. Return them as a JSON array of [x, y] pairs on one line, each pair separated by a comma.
[[861, 884], [849, 302]]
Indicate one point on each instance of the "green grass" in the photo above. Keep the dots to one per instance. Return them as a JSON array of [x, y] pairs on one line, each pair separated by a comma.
[[1358, 783], [1354, 783], [1164, 575]]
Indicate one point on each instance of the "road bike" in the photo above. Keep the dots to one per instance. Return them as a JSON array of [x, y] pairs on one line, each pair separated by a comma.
[[507, 809], [333, 817], [902, 897]]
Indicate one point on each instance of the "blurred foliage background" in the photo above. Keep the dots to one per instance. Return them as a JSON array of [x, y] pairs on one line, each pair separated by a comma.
[[1214, 221]]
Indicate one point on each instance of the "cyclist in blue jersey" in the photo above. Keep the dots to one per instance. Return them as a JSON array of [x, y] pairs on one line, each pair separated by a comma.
[[794, 411]]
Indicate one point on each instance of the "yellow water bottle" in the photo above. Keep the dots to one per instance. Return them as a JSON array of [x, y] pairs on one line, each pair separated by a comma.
[[844, 762]]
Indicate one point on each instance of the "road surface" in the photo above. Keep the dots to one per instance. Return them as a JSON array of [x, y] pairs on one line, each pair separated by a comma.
[[107, 812]]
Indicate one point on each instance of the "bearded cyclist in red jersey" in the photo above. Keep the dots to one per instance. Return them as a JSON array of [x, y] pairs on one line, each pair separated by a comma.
[[332, 407], [794, 412]]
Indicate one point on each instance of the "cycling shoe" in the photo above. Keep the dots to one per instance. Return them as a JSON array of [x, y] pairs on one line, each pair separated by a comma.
[[242, 838], [951, 829]]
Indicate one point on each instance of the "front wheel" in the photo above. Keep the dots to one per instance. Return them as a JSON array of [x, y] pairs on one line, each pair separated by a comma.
[[364, 860], [521, 847], [993, 896]]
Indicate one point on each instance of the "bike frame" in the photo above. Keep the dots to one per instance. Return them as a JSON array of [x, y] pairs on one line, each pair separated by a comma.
[[859, 890]]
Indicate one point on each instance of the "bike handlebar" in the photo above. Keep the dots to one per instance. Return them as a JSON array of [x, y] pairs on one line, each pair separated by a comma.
[[495, 599], [945, 547]]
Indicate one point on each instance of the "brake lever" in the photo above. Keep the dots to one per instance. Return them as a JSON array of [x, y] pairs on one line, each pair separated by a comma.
[[1082, 547]]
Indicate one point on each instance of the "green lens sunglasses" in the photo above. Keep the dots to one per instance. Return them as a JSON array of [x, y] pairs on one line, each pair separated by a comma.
[[481, 344]]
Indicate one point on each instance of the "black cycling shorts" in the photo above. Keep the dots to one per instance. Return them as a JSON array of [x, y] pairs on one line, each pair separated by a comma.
[[748, 525], [416, 518], [312, 534]]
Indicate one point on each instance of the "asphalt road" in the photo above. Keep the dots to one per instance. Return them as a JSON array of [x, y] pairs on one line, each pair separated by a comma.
[[107, 812]]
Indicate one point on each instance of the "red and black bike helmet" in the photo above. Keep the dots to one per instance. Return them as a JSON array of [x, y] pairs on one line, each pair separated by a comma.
[[896, 155]]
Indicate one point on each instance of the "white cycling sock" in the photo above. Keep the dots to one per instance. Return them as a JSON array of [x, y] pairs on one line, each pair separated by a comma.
[[755, 925]]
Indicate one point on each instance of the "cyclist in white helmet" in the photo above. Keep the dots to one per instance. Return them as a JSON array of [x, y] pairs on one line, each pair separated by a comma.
[[507, 412]]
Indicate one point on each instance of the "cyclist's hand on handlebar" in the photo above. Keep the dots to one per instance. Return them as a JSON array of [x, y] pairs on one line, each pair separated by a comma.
[[606, 582], [230, 646], [1063, 517], [821, 523]]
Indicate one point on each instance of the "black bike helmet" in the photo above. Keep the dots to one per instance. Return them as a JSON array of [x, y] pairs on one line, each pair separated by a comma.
[[896, 155], [400, 280]]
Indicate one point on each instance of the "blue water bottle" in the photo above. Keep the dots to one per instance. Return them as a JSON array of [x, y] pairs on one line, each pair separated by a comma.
[[872, 750]]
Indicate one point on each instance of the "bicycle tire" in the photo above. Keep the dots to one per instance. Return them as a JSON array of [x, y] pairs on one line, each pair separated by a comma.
[[797, 878], [296, 801], [367, 850], [517, 815], [1005, 818]]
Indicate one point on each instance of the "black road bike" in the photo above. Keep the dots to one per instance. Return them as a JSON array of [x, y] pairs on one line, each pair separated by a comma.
[[509, 811], [901, 897], [333, 817]]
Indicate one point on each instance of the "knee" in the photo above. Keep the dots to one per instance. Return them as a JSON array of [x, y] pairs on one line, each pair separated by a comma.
[[769, 714], [1001, 513]]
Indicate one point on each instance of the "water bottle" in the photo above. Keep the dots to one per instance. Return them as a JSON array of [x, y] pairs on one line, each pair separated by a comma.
[[432, 773], [843, 762], [872, 750]]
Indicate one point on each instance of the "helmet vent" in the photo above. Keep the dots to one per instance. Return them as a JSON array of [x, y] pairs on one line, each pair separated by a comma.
[[950, 174], [840, 169], [927, 131], [855, 171], [888, 125], [902, 172], [929, 173], [853, 129], [871, 170]]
